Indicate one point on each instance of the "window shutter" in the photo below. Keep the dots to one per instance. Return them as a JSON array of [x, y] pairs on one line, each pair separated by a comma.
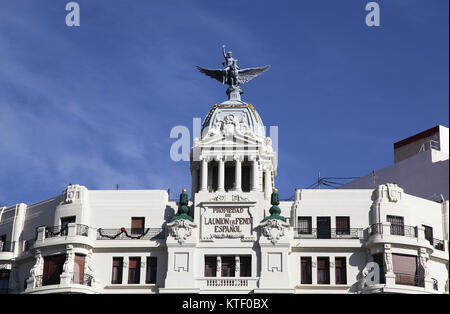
[[137, 223], [343, 223], [405, 267], [134, 262]]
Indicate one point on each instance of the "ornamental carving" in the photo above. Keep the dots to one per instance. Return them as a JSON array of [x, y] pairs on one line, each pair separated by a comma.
[[218, 198], [72, 193], [38, 266], [391, 191], [181, 229], [230, 125], [274, 229]]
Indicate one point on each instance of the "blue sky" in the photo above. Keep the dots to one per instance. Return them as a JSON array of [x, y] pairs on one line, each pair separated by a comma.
[[94, 105]]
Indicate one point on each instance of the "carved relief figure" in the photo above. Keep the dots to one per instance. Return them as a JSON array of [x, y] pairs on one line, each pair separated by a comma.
[[38, 266]]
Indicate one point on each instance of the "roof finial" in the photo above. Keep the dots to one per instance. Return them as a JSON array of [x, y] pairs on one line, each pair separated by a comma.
[[232, 75]]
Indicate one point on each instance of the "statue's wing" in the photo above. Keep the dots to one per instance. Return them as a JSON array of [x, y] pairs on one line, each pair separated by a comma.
[[215, 74], [246, 75]]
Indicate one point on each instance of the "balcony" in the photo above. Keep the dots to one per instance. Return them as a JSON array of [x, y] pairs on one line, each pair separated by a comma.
[[438, 244], [63, 231], [6, 250], [333, 233], [409, 280], [55, 235], [228, 283], [131, 234], [82, 279], [75, 283], [395, 230]]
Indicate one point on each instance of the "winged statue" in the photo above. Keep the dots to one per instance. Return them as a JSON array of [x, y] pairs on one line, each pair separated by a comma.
[[231, 74]]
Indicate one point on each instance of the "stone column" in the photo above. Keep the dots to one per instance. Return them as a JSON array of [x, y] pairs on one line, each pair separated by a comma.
[[204, 178], [268, 183], [219, 266], [237, 266], [254, 173], [221, 176], [238, 174]]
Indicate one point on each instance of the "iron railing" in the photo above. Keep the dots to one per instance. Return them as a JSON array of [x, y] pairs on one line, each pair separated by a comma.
[[82, 279], [227, 283], [332, 233], [409, 280], [375, 229], [6, 246], [131, 234], [56, 231], [400, 230], [62, 231], [28, 244], [403, 230], [438, 244]]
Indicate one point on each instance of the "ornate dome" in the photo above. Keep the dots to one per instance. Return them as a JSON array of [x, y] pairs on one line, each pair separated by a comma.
[[236, 110]]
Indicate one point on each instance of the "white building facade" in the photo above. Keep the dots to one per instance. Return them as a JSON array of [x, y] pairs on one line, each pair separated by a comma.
[[232, 235]]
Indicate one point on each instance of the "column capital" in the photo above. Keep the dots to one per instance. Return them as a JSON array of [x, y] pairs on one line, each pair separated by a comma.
[[219, 158], [253, 158], [239, 158], [267, 167]]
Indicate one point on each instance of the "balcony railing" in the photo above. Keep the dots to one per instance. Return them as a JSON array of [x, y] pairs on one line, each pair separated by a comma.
[[227, 283], [56, 231], [333, 233], [62, 231], [438, 244], [82, 279], [6, 246], [131, 234], [409, 280], [403, 230], [28, 244], [375, 229], [399, 230]]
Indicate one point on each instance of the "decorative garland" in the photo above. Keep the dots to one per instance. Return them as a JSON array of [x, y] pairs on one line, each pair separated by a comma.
[[122, 230], [48, 231]]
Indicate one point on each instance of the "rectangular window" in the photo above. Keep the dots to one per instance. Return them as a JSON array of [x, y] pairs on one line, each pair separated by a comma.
[[306, 270], [397, 225], [53, 268], [405, 269], [117, 270], [210, 266], [3, 247], [323, 270], [341, 270], [152, 264], [137, 225], [134, 270], [304, 225], [228, 268], [342, 225], [78, 271], [428, 234], [323, 227], [65, 221], [245, 266]]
